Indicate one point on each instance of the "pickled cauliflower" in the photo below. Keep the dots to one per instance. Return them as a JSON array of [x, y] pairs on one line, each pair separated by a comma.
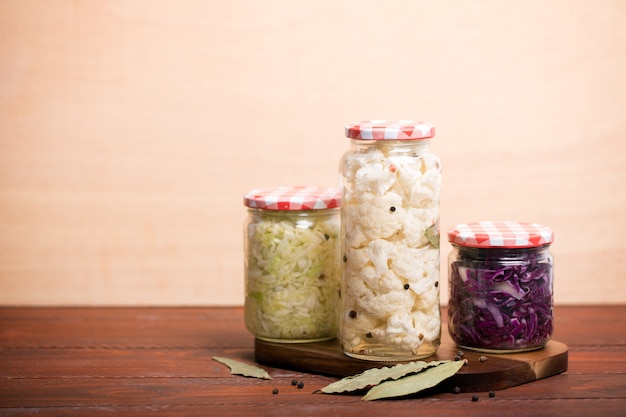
[[390, 215]]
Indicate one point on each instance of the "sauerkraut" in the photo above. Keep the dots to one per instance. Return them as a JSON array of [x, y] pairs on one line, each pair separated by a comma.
[[293, 275]]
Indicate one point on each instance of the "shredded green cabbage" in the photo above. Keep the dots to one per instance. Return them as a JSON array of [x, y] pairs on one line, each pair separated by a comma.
[[293, 277]]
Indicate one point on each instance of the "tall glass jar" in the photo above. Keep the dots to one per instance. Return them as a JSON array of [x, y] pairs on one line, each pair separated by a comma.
[[501, 285], [390, 184], [292, 263]]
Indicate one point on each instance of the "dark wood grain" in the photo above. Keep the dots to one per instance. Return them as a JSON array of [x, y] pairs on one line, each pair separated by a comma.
[[142, 361]]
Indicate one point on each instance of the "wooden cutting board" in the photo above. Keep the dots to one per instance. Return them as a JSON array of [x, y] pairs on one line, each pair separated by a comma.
[[498, 372]]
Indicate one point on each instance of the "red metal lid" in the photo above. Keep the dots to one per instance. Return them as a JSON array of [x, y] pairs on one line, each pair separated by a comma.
[[293, 198], [385, 129], [500, 235]]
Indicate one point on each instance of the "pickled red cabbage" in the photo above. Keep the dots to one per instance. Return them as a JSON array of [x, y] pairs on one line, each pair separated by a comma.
[[501, 305]]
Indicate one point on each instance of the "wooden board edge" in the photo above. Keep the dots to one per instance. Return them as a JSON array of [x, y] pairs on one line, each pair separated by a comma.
[[500, 372]]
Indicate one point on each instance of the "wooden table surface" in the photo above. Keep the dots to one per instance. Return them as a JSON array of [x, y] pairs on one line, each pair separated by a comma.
[[143, 361]]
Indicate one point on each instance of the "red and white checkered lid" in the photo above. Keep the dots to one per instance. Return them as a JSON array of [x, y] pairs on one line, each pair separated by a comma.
[[500, 235], [293, 198], [386, 129]]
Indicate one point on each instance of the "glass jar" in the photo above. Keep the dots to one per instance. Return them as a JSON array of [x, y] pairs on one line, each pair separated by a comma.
[[292, 263], [390, 184], [501, 286]]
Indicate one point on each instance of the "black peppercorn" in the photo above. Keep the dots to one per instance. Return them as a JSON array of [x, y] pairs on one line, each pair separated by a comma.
[[275, 391], [352, 314], [406, 286], [294, 382], [474, 398], [492, 394], [392, 209], [456, 390], [301, 385]]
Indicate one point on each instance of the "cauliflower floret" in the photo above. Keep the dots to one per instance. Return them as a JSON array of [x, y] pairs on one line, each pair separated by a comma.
[[417, 222], [391, 282], [431, 162], [381, 305], [374, 178], [427, 189], [371, 264], [354, 162], [400, 324], [381, 252], [399, 331], [408, 172], [377, 303], [378, 253], [427, 299], [421, 273], [356, 328], [377, 282], [370, 217], [409, 330], [422, 195], [386, 282], [356, 258], [415, 264], [428, 323], [370, 276]]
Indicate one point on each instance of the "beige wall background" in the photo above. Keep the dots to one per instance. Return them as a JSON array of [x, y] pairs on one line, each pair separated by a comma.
[[130, 130]]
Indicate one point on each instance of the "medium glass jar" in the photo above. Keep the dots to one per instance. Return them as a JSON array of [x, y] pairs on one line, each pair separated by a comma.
[[390, 184], [292, 263], [501, 286]]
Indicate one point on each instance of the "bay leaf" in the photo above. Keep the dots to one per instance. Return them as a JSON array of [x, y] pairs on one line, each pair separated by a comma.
[[413, 384], [375, 376], [240, 368], [432, 234]]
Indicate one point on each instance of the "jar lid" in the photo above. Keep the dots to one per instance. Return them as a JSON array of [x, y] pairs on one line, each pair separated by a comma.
[[500, 235], [293, 198], [386, 129]]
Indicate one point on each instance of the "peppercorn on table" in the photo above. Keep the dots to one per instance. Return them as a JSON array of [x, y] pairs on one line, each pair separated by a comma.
[[139, 361]]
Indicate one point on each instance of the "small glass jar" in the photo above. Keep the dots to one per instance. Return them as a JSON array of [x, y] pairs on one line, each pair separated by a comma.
[[501, 286], [292, 263], [390, 183]]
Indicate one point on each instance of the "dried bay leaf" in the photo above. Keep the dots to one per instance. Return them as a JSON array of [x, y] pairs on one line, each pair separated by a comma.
[[240, 368], [432, 234], [375, 376], [414, 383]]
